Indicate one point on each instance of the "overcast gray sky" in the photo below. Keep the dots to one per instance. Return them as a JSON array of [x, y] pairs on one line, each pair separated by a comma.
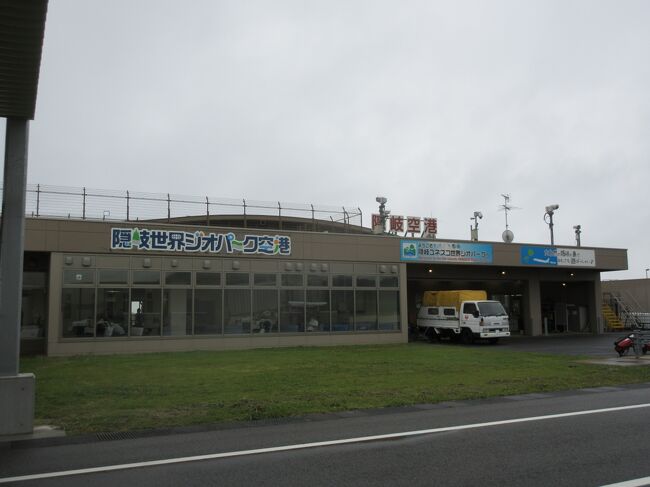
[[439, 106]]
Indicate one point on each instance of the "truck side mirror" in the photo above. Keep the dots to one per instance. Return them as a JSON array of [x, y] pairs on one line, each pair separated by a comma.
[[476, 314]]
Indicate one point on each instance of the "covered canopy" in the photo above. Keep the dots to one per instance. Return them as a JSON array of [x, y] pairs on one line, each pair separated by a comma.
[[22, 28]]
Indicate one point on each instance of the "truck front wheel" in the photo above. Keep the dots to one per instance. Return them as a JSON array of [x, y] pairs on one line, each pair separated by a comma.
[[466, 336]]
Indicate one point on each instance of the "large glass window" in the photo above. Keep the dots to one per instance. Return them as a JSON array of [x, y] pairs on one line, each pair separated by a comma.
[[292, 280], [237, 279], [342, 310], [112, 312], [366, 310], [389, 310], [208, 279], [292, 310], [80, 276], [340, 280], [237, 310], [317, 280], [265, 280], [78, 309], [148, 302], [113, 276], [207, 311], [177, 312], [318, 310], [145, 312], [265, 310], [388, 281], [366, 281], [178, 278], [146, 277]]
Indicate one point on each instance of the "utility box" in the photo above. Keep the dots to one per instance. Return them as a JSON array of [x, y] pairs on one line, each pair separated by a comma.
[[17, 404]]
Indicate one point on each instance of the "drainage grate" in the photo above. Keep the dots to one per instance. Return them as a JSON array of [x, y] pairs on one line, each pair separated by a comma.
[[119, 435]]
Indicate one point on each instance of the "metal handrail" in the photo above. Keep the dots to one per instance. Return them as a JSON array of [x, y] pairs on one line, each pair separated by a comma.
[[97, 204], [623, 311]]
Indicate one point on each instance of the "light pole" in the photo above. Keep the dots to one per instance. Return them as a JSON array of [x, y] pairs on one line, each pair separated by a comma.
[[474, 231], [550, 209], [383, 214], [578, 232], [647, 286]]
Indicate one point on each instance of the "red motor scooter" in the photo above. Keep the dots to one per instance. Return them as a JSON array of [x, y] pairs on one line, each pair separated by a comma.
[[623, 345]]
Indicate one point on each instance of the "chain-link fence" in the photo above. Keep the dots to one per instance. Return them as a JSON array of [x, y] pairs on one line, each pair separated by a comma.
[[98, 204]]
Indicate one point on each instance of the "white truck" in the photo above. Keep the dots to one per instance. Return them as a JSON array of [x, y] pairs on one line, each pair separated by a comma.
[[467, 315]]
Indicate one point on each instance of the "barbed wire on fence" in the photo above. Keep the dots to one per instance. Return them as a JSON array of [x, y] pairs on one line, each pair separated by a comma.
[[113, 205]]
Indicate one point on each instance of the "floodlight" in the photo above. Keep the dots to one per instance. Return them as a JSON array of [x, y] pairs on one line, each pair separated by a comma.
[[474, 231], [578, 231], [549, 213], [383, 214]]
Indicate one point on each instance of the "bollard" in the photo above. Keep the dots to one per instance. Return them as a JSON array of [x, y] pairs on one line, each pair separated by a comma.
[[637, 343]]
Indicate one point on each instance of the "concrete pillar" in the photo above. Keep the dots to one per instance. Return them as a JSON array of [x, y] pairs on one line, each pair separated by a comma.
[[403, 302], [11, 244], [533, 325], [16, 390], [595, 306]]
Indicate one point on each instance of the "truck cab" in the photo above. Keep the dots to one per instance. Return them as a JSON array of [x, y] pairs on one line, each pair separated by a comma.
[[484, 319]]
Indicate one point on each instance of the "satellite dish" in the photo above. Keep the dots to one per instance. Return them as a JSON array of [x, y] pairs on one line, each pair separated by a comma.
[[507, 236]]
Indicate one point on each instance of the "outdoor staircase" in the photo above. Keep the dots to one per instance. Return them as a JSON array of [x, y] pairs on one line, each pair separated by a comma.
[[613, 322]]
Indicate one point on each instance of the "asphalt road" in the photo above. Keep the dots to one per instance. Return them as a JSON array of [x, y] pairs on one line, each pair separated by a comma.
[[591, 449]]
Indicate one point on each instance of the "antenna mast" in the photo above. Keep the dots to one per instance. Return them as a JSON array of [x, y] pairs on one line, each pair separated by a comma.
[[506, 206], [507, 235]]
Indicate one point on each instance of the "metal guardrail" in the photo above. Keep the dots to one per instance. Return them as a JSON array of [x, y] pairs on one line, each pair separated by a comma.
[[631, 319], [98, 204]]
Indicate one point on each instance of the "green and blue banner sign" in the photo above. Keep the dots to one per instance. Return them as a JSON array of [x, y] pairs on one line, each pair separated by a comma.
[[557, 257], [432, 251], [199, 241]]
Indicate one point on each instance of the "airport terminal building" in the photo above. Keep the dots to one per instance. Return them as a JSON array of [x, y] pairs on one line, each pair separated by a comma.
[[105, 287]]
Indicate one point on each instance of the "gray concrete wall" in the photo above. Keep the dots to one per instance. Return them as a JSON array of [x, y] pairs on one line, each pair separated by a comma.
[[94, 237]]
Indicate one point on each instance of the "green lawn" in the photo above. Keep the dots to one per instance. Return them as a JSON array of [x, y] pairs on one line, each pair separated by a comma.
[[125, 392]]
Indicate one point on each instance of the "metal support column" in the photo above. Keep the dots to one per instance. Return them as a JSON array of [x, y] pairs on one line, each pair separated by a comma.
[[16, 390], [533, 325], [11, 243]]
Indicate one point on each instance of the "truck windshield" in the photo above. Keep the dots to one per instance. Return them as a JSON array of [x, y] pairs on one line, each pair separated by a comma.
[[491, 308]]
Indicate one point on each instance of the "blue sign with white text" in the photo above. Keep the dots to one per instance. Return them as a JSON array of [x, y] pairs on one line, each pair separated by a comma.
[[539, 256]]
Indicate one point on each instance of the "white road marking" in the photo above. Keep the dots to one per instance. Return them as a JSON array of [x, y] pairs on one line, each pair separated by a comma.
[[631, 483], [318, 444]]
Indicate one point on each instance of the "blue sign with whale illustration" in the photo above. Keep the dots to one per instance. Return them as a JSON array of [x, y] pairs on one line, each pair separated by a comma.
[[539, 256]]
